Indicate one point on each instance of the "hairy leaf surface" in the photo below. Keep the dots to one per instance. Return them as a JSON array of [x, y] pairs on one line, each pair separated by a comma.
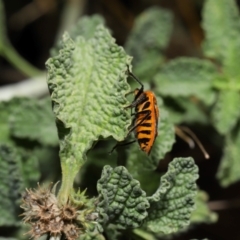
[[87, 82], [147, 40], [226, 112], [172, 204], [221, 23], [121, 200], [187, 77]]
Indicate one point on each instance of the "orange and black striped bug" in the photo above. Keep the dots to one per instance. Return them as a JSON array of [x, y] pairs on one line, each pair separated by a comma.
[[145, 121]]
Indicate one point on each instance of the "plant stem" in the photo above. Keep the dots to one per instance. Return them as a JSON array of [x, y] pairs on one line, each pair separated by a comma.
[[69, 171], [20, 63]]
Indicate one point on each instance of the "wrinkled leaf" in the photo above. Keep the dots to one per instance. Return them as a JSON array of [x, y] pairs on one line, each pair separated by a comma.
[[121, 200], [11, 185], [185, 77], [172, 204], [229, 169], [226, 112], [147, 40], [221, 23], [87, 82], [34, 120], [86, 27]]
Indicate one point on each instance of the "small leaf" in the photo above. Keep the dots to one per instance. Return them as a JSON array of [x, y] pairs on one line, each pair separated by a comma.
[[147, 40], [121, 200], [223, 42], [11, 185], [172, 204], [187, 77], [32, 113], [87, 81], [202, 213], [226, 112], [229, 169]]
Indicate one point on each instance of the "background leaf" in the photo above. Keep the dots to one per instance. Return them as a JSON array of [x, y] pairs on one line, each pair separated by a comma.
[[187, 77], [121, 200], [226, 113], [11, 185], [229, 169], [224, 47], [172, 204], [202, 213], [34, 120], [147, 40]]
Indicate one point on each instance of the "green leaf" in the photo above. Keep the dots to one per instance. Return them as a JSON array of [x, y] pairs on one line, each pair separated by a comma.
[[86, 27], [185, 110], [221, 23], [202, 214], [229, 169], [11, 185], [226, 112], [6, 108], [147, 40], [172, 204], [121, 200], [32, 113], [165, 139], [87, 81], [185, 77]]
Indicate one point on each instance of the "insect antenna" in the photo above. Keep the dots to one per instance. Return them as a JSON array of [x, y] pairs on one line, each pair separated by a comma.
[[194, 137]]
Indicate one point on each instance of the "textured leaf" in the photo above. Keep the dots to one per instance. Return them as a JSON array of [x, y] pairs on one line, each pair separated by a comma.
[[86, 27], [187, 77], [32, 113], [226, 111], [11, 185], [121, 200], [87, 81], [229, 169], [223, 43], [172, 204], [202, 214], [147, 40]]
